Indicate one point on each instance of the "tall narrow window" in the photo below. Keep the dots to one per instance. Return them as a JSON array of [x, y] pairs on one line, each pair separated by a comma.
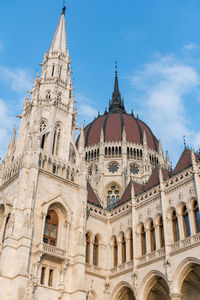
[[51, 228], [56, 141], [186, 222], [197, 216], [131, 244], [143, 241], [50, 280], [87, 254], [115, 249], [112, 197], [53, 68], [161, 233], [123, 241], [175, 227], [42, 278], [5, 227], [152, 236], [96, 251]]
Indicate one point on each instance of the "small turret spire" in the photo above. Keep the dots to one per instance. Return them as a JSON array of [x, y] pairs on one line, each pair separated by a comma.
[[116, 103]]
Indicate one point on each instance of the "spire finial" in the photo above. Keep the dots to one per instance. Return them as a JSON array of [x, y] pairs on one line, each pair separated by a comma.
[[116, 67], [64, 8], [184, 141], [116, 103]]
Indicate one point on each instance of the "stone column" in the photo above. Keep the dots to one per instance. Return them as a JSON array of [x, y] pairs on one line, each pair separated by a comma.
[[191, 219], [91, 251], [157, 236], [175, 296], [180, 224], [128, 255]]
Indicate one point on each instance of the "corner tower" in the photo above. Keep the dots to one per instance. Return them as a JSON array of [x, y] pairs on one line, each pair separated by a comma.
[[43, 195]]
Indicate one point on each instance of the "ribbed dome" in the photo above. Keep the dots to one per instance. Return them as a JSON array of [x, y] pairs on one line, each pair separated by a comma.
[[115, 120], [113, 123]]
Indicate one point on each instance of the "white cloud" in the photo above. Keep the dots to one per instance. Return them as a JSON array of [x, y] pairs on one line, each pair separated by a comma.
[[7, 122], [165, 84], [86, 110], [191, 46], [19, 80]]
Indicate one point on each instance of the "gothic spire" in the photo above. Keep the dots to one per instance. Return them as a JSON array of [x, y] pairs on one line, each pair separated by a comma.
[[59, 43], [116, 103]]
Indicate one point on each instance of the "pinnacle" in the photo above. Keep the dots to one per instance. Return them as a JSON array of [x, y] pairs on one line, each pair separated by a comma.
[[59, 40]]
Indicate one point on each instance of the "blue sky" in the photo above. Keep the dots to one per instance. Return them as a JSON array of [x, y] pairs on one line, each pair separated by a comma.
[[156, 44]]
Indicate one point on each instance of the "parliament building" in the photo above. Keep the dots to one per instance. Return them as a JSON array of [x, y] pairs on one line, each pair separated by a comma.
[[99, 217]]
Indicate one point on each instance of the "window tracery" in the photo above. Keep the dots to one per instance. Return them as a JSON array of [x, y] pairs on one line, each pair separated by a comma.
[[113, 167], [112, 196]]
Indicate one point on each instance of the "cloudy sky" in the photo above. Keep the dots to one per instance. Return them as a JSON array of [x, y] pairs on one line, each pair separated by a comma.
[[156, 44]]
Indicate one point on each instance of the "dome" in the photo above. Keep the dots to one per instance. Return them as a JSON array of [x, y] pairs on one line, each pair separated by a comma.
[[113, 123]]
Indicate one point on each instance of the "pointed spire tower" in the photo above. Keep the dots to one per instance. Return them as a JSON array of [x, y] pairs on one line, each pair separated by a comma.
[[116, 104], [53, 89]]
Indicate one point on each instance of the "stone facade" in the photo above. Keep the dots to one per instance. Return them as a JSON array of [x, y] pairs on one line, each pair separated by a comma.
[[103, 218]]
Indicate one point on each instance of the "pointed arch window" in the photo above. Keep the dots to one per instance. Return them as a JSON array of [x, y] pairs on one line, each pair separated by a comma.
[[115, 252], [112, 197], [186, 222], [51, 228], [197, 216], [131, 244], [123, 245], [96, 251], [87, 254], [5, 227], [152, 236], [161, 232], [143, 241], [175, 227]]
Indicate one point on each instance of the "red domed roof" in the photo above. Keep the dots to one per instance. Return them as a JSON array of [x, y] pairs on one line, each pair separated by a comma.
[[113, 123]]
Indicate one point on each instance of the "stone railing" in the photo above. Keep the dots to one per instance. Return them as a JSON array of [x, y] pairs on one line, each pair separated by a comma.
[[192, 240], [55, 166], [10, 170], [152, 256], [123, 267], [52, 250]]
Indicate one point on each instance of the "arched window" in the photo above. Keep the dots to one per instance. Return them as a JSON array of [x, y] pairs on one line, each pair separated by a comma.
[[123, 245], [196, 215], [112, 196], [186, 222], [131, 244], [51, 228], [175, 227], [96, 251], [152, 236], [115, 252], [48, 95], [87, 254], [56, 140], [161, 232], [143, 241]]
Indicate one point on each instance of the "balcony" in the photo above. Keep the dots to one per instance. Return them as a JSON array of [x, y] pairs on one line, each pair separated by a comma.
[[152, 256], [183, 244], [52, 251]]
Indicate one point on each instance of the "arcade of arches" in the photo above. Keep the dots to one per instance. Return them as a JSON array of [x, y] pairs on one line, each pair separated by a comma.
[[159, 290]]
